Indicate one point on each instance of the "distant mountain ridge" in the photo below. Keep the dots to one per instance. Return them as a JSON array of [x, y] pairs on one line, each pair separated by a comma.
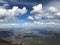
[[21, 33]]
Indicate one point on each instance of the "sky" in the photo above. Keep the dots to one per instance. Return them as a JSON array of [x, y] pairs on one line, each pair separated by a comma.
[[29, 13]]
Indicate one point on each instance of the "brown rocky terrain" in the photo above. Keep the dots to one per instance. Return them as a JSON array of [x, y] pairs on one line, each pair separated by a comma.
[[4, 42]]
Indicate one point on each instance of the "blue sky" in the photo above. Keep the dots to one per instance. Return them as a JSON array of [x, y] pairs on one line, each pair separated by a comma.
[[29, 13], [6, 5]]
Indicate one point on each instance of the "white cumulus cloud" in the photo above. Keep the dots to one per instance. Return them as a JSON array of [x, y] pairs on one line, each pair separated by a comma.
[[30, 17], [9, 14], [51, 12], [37, 9], [53, 9]]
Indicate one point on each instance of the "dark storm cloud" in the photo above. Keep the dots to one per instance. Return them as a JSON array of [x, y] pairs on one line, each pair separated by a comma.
[[24, 2]]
